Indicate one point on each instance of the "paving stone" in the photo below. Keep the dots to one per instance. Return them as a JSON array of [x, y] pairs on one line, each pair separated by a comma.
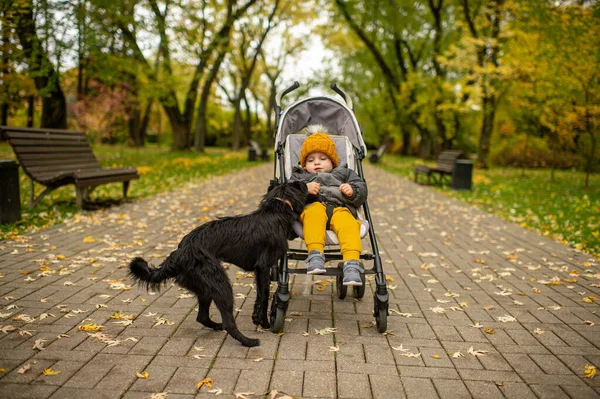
[[224, 379], [484, 389], [550, 364], [184, 380], [288, 381], [319, 385], [419, 388], [386, 386], [23, 391], [256, 380], [517, 390], [451, 389], [159, 377], [549, 391], [353, 385]]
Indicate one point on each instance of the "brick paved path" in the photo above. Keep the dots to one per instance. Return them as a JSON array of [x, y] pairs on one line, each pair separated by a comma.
[[453, 268]]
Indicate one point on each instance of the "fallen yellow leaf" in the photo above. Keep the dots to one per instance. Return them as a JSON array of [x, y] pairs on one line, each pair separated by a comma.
[[490, 331], [207, 381], [90, 327], [144, 375], [50, 372], [389, 278], [436, 356], [590, 299], [3, 370], [89, 239], [590, 371]]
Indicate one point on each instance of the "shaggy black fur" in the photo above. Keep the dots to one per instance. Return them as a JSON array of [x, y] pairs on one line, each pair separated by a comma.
[[253, 242]]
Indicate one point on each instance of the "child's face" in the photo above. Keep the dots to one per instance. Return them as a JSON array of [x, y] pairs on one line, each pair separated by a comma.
[[318, 162]]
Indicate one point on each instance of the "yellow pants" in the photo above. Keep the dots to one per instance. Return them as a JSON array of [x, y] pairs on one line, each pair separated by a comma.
[[343, 224]]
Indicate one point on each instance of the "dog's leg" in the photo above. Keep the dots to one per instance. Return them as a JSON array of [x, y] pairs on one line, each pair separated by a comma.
[[262, 278], [203, 315], [225, 306]]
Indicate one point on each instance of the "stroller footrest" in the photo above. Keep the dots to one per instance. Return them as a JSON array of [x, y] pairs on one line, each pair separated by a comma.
[[329, 271], [336, 255]]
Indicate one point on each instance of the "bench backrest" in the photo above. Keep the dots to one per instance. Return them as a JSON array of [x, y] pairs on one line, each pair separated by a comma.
[[447, 159], [44, 153]]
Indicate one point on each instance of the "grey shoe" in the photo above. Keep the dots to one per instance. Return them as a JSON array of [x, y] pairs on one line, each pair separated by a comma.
[[352, 273], [316, 262]]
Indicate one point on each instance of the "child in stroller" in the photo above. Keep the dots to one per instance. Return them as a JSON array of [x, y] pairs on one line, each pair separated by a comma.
[[350, 149], [335, 194]]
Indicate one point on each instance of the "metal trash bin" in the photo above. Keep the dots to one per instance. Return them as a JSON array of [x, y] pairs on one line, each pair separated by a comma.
[[462, 176], [10, 198], [264, 154], [251, 154]]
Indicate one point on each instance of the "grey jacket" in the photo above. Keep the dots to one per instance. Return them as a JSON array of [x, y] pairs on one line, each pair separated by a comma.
[[330, 182]]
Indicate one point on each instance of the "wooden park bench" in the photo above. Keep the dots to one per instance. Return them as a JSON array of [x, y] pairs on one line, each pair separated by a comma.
[[56, 158], [446, 163]]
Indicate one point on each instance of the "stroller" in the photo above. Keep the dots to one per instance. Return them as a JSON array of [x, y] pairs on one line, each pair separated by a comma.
[[337, 117]]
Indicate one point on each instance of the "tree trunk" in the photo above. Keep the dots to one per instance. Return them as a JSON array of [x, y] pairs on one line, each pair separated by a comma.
[[247, 122], [200, 133], [237, 125], [30, 110], [5, 65], [489, 114], [45, 76], [180, 128], [135, 133], [146, 120]]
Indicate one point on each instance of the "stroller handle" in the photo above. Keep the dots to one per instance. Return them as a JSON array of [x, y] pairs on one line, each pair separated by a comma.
[[342, 93], [282, 93], [278, 98]]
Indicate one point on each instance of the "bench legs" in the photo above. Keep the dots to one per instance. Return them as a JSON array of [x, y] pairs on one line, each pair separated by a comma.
[[33, 200], [82, 194]]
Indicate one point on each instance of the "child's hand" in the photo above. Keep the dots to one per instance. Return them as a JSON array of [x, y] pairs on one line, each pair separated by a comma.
[[347, 189], [313, 187]]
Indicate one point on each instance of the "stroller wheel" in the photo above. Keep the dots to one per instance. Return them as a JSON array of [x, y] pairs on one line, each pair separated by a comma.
[[359, 290], [381, 313], [341, 289], [277, 316]]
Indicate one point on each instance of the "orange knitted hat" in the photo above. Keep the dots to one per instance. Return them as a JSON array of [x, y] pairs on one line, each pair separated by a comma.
[[319, 142]]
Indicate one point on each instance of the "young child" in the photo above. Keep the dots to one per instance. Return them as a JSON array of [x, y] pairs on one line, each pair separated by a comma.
[[335, 194]]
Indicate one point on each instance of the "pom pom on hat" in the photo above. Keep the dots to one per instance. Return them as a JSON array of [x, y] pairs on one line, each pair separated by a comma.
[[318, 141]]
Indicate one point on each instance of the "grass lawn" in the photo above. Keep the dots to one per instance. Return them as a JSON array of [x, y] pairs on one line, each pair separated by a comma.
[[559, 209], [160, 170]]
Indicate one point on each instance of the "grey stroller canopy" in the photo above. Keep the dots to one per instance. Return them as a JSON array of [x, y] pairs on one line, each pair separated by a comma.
[[327, 111]]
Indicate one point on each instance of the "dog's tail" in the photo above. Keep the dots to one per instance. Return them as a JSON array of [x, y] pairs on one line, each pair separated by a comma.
[[152, 277]]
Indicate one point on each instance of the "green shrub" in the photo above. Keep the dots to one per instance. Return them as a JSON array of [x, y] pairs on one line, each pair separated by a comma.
[[530, 152]]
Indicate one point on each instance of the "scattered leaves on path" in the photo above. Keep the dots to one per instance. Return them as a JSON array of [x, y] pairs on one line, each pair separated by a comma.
[[506, 319], [409, 354], [325, 331], [50, 372], [205, 382], [590, 371], [477, 352], [143, 375], [90, 327], [24, 369]]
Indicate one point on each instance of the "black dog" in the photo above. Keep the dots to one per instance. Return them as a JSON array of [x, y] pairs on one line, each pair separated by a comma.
[[253, 242]]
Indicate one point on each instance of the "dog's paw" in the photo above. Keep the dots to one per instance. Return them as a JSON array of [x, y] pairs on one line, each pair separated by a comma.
[[250, 342]]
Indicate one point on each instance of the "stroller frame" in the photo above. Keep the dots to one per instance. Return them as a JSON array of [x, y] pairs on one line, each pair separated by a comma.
[[281, 272]]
